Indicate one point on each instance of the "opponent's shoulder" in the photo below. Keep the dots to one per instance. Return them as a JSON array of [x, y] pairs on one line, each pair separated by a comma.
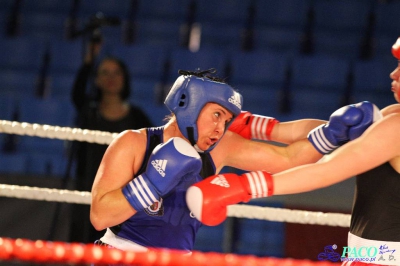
[[391, 109], [388, 126]]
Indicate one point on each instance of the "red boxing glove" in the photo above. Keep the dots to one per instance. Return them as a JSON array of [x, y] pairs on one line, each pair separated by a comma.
[[396, 49], [252, 126], [208, 199]]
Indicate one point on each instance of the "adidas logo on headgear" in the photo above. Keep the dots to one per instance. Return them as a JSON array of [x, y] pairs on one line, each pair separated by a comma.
[[220, 181], [160, 166], [235, 99]]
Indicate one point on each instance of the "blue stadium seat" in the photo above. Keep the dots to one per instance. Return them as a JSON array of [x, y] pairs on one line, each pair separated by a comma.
[[156, 112], [158, 32], [18, 82], [312, 103], [143, 91], [173, 10], [118, 8], [220, 35], [6, 5], [340, 26], [223, 12], [259, 237], [383, 45], [44, 26], [61, 85], [258, 68], [143, 61], [320, 71], [55, 112], [45, 164], [7, 106], [341, 15], [7, 111], [318, 85], [203, 59], [111, 36], [13, 163], [210, 238], [372, 82], [262, 100], [66, 56], [338, 44], [387, 18], [3, 21], [285, 14], [47, 6], [21, 53], [277, 39]]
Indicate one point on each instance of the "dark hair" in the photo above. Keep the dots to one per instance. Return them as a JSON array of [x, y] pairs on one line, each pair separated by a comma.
[[126, 89], [209, 73]]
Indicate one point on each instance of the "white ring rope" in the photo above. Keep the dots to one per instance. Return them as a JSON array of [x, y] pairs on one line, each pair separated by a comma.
[[56, 132], [289, 216], [46, 194], [81, 197], [239, 211]]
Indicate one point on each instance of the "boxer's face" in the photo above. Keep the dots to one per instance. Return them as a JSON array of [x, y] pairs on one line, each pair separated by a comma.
[[211, 124], [395, 76]]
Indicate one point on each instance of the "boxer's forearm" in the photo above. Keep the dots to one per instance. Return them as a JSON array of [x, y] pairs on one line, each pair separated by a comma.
[[289, 132]]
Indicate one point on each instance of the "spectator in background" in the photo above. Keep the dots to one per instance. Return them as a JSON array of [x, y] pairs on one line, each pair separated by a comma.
[[105, 108]]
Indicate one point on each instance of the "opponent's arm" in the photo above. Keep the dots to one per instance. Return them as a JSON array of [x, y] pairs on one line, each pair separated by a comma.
[[344, 124], [378, 145]]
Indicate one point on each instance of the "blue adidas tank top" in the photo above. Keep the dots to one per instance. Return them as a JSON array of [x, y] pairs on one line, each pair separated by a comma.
[[168, 223]]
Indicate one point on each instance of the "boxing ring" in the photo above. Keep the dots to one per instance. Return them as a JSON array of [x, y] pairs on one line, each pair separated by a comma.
[[46, 252]]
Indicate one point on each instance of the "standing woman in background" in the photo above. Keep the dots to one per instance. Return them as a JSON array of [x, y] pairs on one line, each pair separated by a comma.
[[105, 108]]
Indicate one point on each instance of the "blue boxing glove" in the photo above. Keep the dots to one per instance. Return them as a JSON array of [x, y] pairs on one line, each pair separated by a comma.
[[346, 123], [371, 114], [167, 165]]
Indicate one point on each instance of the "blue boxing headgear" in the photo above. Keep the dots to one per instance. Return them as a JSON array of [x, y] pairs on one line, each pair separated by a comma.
[[188, 96]]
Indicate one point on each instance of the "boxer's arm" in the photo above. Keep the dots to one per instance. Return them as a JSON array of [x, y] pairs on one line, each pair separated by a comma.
[[248, 155], [379, 144], [121, 160], [292, 131]]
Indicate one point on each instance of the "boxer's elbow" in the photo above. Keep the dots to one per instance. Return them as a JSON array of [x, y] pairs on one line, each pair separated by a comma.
[[97, 222]]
